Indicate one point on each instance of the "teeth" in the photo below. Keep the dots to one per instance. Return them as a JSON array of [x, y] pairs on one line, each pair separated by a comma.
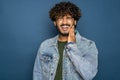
[[65, 26]]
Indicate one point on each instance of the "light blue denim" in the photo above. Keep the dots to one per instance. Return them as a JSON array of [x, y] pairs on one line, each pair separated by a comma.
[[80, 60]]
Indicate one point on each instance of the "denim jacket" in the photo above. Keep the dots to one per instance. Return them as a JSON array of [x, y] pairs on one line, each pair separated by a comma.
[[80, 60]]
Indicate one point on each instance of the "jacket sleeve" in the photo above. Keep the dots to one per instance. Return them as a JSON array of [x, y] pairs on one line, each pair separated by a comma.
[[37, 71], [86, 64]]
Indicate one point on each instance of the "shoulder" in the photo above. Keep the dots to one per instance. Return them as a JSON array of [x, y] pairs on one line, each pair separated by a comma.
[[86, 44], [86, 41], [48, 42], [83, 40]]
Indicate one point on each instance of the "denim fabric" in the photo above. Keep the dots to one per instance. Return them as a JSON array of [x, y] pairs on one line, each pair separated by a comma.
[[80, 60]]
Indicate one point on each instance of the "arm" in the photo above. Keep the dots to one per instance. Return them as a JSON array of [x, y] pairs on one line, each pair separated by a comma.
[[85, 65], [37, 75]]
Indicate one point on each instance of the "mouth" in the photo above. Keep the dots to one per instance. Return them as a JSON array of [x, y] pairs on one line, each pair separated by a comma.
[[65, 27]]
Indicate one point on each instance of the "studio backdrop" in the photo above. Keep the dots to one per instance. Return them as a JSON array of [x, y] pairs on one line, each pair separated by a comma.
[[24, 24]]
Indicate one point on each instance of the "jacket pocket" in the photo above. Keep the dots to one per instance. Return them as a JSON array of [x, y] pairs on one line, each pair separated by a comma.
[[46, 65]]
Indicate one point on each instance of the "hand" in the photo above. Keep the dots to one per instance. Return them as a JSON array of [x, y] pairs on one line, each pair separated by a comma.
[[71, 36]]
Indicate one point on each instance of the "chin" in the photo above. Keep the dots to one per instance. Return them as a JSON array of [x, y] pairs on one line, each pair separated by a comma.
[[64, 34]]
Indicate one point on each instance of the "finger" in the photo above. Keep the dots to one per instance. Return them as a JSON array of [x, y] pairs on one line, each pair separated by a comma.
[[71, 32], [72, 29]]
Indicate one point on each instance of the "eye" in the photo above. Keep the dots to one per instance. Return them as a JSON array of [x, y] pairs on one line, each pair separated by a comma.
[[69, 18], [60, 18]]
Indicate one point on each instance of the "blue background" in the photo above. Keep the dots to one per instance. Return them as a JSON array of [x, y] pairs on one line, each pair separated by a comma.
[[24, 24]]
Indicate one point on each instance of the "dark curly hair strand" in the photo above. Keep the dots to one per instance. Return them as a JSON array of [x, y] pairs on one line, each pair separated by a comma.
[[63, 9]]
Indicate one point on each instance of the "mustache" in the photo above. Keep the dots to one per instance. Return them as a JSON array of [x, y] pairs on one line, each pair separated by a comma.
[[65, 25]]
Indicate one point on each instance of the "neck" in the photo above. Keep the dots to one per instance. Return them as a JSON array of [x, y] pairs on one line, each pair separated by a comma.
[[62, 38]]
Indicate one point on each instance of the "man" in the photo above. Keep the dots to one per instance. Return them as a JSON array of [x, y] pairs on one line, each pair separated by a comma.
[[67, 56]]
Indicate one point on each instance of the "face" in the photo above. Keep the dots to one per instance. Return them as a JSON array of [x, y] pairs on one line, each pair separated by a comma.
[[64, 24]]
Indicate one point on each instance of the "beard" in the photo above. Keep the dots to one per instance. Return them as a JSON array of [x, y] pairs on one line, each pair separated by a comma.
[[66, 33], [63, 34]]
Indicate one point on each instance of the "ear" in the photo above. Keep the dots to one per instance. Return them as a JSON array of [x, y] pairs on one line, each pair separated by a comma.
[[75, 22], [54, 23]]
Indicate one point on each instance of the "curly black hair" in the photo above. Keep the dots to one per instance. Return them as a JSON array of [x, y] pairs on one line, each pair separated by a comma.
[[63, 9]]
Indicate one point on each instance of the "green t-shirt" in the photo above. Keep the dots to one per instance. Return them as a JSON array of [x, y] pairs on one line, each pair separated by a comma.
[[58, 75]]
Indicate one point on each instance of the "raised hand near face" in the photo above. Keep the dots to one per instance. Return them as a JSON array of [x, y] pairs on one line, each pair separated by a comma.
[[71, 36]]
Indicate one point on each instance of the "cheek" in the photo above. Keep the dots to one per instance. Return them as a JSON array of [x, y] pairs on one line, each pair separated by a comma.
[[71, 22], [68, 22], [57, 23]]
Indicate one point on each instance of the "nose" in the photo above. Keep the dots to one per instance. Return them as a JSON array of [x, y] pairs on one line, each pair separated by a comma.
[[64, 20]]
